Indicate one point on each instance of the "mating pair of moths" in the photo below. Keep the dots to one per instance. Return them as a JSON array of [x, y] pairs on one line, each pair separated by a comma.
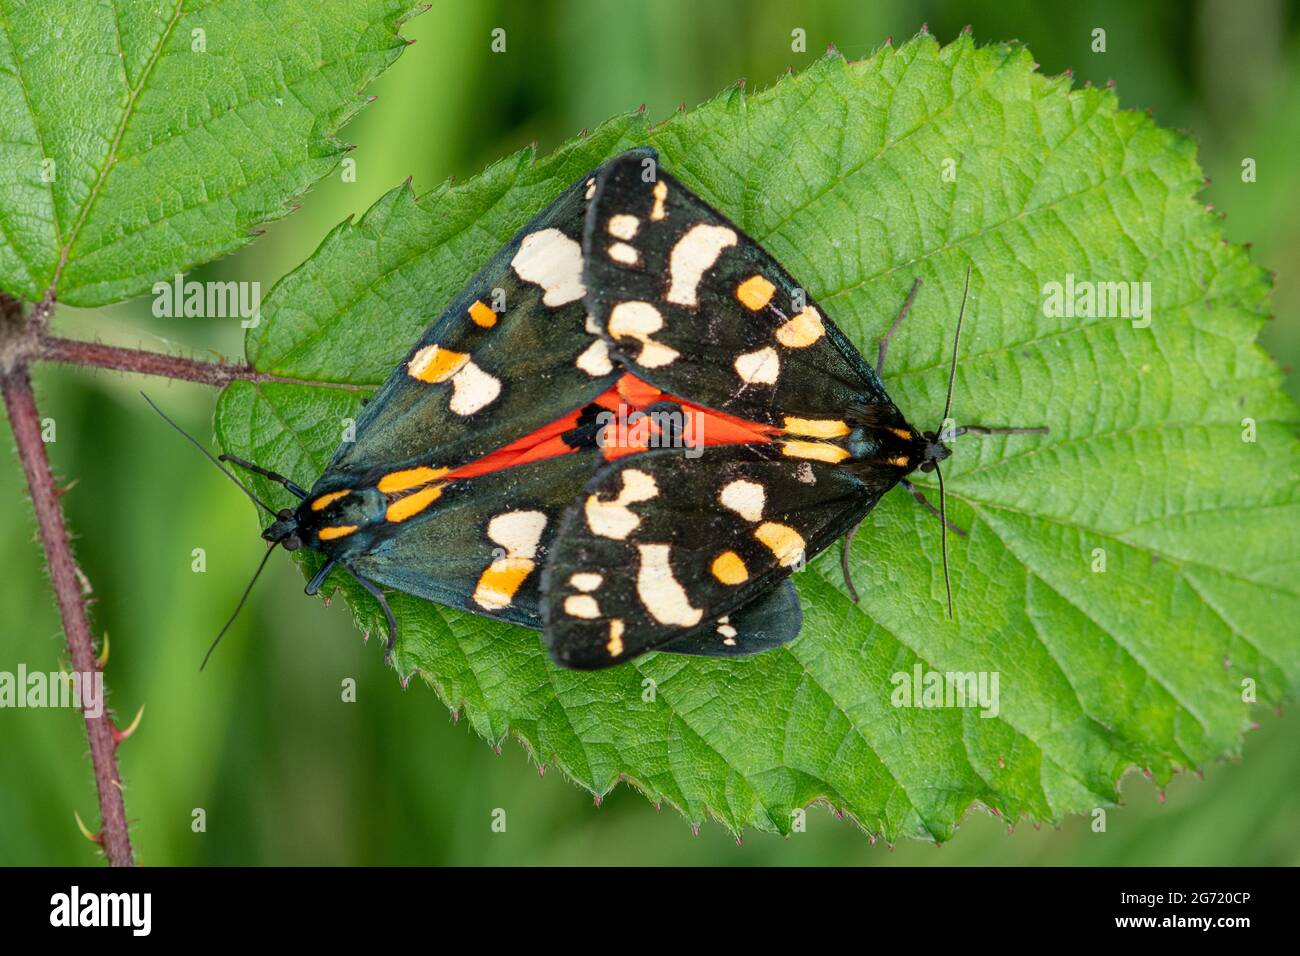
[[484, 476]]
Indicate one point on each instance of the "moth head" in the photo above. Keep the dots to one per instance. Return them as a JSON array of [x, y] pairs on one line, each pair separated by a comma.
[[284, 531], [932, 451]]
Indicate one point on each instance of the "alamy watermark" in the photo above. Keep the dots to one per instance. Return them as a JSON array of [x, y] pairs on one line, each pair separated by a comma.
[[210, 300], [53, 689], [1086, 299], [935, 689], [635, 430]]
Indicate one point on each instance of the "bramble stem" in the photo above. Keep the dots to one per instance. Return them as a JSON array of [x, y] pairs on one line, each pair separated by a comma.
[[142, 362], [20, 403], [22, 342]]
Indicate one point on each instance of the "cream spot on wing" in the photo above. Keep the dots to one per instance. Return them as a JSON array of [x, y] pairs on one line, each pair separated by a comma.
[[433, 364], [758, 368], [550, 259], [745, 498], [591, 187], [640, 321], [614, 519], [595, 360], [623, 226], [622, 252], [615, 643], [660, 592], [473, 389], [519, 533], [802, 330], [660, 194], [694, 255], [786, 544], [590, 325], [582, 605], [586, 580]]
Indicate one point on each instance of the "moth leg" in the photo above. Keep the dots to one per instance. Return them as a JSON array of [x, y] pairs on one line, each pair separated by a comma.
[[319, 577], [916, 493], [884, 342], [278, 478], [388, 613], [844, 561]]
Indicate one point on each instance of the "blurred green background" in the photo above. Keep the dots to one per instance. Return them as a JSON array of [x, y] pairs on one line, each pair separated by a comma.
[[289, 774]]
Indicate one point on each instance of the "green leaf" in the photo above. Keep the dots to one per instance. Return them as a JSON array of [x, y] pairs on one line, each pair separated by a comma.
[[142, 137], [840, 172]]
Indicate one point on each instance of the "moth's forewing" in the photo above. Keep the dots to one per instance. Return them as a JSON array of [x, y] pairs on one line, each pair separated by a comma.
[[663, 545]]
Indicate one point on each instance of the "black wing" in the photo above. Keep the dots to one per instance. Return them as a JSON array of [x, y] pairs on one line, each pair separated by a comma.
[[512, 352], [661, 546], [691, 304]]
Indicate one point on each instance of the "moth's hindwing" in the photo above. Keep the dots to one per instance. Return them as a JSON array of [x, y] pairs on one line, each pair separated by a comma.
[[697, 308], [770, 620], [661, 546], [510, 353]]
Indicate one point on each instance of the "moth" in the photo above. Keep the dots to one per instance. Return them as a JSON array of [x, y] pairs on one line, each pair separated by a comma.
[[621, 431], [661, 544], [465, 460]]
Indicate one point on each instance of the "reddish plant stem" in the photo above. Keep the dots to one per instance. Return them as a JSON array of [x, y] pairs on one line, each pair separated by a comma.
[[97, 355], [20, 403]]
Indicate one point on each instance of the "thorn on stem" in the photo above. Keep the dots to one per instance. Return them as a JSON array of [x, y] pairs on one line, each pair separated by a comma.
[[121, 735], [85, 830]]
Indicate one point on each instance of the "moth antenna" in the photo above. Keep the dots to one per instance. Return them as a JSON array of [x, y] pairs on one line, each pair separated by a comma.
[[207, 454], [956, 341], [943, 525], [238, 607]]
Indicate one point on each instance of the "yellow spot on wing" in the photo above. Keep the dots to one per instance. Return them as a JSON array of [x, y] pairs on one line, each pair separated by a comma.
[[407, 478], [755, 292], [412, 505], [900, 462], [816, 450], [729, 568], [324, 501], [816, 427], [802, 330], [338, 531], [902, 433], [499, 581], [434, 364], [783, 541], [482, 314], [615, 643]]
